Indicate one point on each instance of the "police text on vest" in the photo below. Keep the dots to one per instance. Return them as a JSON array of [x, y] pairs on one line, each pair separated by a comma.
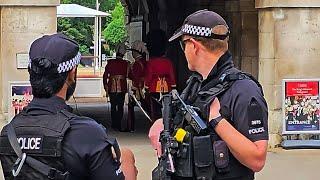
[[30, 143]]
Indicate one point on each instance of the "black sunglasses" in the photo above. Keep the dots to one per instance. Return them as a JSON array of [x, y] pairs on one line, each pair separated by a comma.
[[183, 43]]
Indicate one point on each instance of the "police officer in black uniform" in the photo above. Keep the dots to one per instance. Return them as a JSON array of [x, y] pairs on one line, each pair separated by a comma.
[[237, 113], [55, 143]]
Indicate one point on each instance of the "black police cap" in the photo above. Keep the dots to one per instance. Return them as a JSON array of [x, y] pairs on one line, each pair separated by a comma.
[[200, 24], [60, 50]]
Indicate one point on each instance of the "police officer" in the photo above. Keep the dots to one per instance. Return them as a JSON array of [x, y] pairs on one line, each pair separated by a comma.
[[115, 85], [49, 140], [237, 113]]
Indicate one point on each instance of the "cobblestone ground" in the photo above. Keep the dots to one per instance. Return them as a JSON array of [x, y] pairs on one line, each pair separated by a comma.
[[281, 164]]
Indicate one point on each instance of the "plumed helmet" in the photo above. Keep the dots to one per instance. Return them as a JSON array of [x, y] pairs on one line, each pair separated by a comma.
[[156, 42], [139, 46], [121, 49]]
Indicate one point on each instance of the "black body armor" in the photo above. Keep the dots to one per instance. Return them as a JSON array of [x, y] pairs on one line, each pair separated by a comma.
[[201, 97], [198, 152], [40, 138], [203, 154]]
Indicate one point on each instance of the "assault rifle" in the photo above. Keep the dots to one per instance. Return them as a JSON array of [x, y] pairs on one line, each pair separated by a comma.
[[176, 161], [166, 167]]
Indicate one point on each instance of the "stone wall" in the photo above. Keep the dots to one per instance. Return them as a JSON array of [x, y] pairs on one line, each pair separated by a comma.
[[19, 26], [1, 98], [286, 3], [289, 47], [249, 37], [243, 19], [29, 2]]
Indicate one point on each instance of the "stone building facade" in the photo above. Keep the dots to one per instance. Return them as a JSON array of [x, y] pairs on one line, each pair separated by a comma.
[[289, 47], [20, 23]]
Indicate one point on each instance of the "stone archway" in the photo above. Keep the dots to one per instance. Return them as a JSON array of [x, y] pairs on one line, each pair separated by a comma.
[[240, 14]]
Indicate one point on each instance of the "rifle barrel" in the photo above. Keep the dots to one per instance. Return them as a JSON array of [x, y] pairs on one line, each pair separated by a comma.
[[167, 100]]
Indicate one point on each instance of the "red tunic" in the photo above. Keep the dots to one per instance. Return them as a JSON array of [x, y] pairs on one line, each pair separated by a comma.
[[115, 75], [160, 75], [137, 73]]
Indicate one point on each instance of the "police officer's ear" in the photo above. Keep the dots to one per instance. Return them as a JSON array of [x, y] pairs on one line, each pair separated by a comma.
[[197, 46], [72, 75]]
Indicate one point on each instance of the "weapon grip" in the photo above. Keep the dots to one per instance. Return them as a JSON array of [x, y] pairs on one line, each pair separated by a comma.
[[166, 111]]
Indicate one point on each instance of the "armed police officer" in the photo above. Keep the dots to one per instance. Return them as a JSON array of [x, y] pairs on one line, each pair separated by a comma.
[[46, 140], [231, 103]]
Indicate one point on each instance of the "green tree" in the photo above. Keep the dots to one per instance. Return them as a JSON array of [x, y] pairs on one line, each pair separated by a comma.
[[116, 32], [107, 5], [81, 29], [77, 30]]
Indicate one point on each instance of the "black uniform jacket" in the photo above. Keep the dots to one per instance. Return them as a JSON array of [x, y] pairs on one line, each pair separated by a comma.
[[247, 111], [86, 153]]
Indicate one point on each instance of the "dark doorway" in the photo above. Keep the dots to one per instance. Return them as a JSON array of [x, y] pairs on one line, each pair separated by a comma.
[[241, 16]]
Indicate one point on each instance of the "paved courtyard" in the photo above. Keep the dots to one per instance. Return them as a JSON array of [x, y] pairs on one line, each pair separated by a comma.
[[281, 164]]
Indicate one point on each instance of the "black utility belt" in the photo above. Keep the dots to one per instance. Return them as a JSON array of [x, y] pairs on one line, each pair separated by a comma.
[[199, 157], [210, 157]]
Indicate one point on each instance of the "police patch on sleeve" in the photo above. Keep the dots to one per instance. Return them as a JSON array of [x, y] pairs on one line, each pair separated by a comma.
[[118, 171], [255, 118]]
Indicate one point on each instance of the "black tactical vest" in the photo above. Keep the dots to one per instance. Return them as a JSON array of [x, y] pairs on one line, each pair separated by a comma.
[[201, 97], [40, 138]]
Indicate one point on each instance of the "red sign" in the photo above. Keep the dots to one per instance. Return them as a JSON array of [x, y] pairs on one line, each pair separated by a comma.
[[307, 88]]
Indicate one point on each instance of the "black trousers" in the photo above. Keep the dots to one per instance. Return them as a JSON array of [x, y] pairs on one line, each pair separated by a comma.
[[155, 106], [129, 120], [117, 102]]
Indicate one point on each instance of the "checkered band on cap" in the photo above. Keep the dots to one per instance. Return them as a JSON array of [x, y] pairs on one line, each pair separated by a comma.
[[68, 65], [197, 30]]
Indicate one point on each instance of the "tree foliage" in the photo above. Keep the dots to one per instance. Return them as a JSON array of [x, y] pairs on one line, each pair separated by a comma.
[[78, 30], [81, 29], [116, 32]]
